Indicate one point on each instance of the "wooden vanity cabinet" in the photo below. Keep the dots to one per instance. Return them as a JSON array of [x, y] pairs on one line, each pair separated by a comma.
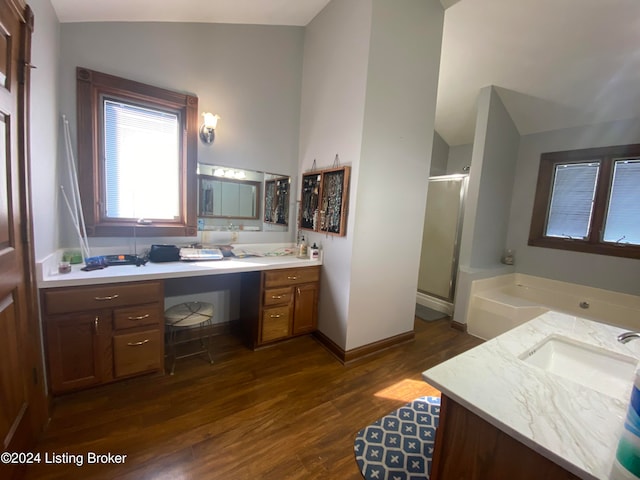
[[305, 308], [287, 304], [468, 447], [98, 334], [78, 350]]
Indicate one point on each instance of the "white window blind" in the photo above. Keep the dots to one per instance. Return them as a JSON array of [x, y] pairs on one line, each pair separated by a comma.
[[623, 214], [572, 196], [141, 162]]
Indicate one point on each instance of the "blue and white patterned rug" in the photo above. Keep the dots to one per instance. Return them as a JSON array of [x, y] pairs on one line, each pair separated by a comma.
[[399, 446]]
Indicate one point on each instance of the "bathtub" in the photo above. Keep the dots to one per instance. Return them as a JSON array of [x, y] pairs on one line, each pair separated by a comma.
[[498, 304]]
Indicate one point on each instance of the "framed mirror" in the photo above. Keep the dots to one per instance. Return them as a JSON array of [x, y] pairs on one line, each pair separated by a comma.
[[276, 200], [309, 200], [333, 204]]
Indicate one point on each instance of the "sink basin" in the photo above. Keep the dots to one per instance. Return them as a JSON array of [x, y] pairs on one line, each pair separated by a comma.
[[602, 370]]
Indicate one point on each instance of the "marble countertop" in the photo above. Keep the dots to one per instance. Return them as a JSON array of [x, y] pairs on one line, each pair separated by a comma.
[[572, 425], [48, 276]]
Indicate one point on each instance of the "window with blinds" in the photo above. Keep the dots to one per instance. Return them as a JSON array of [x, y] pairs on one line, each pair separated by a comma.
[[572, 195], [141, 162], [589, 201], [137, 157], [622, 223]]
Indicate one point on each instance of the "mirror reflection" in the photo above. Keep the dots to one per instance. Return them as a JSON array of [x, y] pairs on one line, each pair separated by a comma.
[[231, 198], [276, 200], [228, 198]]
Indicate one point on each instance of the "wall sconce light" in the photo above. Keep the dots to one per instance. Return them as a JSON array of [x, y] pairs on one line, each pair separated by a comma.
[[208, 128]]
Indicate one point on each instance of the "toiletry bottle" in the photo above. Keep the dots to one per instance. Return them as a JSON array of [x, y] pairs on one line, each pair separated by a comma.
[[626, 465], [302, 252], [314, 252]]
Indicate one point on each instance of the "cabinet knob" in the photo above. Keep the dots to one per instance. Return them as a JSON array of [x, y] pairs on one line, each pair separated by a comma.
[[141, 317], [275, 316], [110, 297], [137, 344], [276, 297], [293, 277], [95, 325]]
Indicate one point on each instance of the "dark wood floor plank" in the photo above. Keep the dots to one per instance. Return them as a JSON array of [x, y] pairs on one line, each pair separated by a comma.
[[290, 411]]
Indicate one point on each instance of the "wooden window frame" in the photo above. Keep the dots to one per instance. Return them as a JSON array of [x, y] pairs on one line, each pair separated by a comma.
[[593, 243], [91, 87]]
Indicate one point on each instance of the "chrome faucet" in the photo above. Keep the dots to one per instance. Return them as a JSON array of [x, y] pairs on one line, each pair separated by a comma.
[[626, 336]]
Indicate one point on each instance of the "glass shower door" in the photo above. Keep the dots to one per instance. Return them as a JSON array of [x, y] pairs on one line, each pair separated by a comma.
[[441, 236]]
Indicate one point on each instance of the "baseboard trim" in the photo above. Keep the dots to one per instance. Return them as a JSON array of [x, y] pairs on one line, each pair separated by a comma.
[[358, 353], [434, 303], [459, 326], [330, 345]]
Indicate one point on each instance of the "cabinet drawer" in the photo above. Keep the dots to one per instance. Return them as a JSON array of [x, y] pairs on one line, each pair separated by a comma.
[[137, 352], [277, 296], [76, 299], [275, 323], [291, 276], [138, 316]]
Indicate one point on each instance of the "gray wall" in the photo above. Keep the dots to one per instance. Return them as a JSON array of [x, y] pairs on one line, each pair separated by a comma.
[[45, 123], [488, 203], [495, 151], [402, 84], [376, 108], [459, 158], [250, 75], [439, 156], [600, 271], [336, 40]]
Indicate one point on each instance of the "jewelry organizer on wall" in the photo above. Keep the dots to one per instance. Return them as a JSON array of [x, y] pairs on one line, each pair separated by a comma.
[[276, 201], [309, 201], [324, 198]]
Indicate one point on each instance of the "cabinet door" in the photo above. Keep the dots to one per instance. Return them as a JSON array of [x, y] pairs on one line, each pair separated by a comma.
[[305, 314], [79, 350]]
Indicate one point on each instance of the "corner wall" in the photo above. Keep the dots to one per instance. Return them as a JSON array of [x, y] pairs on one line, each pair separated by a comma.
[[44, 126], [439, 156], [397, 141], [369, 92], [488, 203], [336, 53]]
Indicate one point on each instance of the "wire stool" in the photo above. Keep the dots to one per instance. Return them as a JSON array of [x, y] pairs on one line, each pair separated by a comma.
[[185, 315]]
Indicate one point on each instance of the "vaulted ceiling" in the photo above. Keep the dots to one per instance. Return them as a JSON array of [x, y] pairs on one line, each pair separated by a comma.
[[556, 63]]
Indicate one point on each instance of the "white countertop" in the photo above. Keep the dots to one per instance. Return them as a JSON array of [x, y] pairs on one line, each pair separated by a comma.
[[572, 425], [48, 276]]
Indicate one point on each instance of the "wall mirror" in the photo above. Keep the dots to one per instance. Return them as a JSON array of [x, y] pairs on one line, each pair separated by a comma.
[[276, 200], [231, 197]]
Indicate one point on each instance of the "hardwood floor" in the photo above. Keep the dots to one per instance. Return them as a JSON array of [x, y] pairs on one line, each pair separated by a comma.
[[290, 411]]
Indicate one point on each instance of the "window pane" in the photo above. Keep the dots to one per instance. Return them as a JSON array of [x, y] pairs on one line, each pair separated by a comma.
[[572, 196], [623, 215], [142, 162]]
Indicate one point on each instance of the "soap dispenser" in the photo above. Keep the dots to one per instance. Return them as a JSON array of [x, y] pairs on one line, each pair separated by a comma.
[[302, 249]]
